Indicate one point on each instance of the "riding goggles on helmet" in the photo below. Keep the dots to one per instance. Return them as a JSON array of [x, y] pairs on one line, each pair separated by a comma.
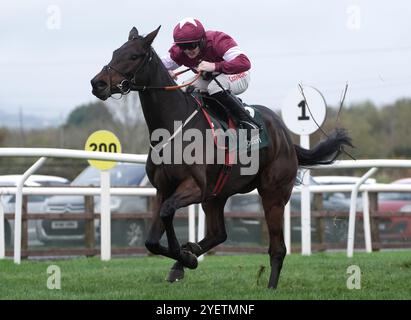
[[189, 45]]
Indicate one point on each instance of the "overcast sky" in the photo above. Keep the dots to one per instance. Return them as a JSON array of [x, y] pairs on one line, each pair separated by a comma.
[[49, 50]]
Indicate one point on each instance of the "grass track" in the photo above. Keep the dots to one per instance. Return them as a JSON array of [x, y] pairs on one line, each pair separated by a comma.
[[384, 275]]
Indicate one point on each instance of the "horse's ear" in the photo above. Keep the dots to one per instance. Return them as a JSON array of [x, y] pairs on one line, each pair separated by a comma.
[[148, 39], [133, 33]]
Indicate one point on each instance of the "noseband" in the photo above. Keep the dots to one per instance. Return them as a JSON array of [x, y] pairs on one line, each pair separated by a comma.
[[128, 83]]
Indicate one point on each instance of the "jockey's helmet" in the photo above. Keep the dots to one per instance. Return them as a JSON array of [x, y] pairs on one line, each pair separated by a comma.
[[188, 30]]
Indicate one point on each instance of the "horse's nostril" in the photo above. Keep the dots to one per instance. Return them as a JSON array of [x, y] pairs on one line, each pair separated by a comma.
[[99, 84]]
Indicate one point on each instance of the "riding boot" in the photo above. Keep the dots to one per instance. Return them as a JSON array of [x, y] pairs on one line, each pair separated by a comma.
[[236, 109]]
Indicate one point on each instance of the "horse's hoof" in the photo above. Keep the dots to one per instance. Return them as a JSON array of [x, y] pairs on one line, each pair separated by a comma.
[[193, 247], [188, 259], [175, 275]]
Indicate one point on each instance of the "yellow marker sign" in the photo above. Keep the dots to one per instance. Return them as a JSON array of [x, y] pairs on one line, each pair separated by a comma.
[[103, 141]]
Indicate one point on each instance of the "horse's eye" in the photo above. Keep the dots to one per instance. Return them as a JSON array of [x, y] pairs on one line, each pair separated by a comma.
[[134, 57]]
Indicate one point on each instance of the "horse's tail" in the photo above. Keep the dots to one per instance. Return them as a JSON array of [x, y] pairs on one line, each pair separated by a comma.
[[326, 151]]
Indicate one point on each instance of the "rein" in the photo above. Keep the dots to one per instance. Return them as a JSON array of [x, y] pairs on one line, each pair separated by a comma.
[[129, 82]]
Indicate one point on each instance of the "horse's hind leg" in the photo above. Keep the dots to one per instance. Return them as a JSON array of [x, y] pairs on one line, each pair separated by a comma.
[[277, 249], [273, 203]]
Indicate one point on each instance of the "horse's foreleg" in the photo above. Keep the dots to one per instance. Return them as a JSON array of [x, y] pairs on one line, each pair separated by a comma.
[[153, 239], [186, 193], [216, 234], [156, 231]]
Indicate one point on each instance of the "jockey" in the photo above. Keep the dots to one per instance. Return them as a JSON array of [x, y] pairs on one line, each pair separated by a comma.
[[214, 52]]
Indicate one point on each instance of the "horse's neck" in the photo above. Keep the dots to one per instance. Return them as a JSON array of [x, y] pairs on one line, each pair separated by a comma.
[[161, 108]]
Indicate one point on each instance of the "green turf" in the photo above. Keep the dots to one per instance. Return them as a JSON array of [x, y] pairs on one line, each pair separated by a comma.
[[384, 275]]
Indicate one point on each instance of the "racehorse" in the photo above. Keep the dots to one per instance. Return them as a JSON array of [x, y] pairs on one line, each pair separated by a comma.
[[135, 66]]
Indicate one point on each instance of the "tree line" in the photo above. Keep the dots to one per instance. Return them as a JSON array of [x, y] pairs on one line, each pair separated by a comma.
[[377, 133], [122, 117]]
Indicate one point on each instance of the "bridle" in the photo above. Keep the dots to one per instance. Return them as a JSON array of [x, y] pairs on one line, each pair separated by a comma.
[[129, 82]]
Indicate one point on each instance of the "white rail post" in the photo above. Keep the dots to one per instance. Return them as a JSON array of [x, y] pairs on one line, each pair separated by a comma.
[[353, 211], [105, 214], [287, 227], [18, 208], [366, 221], [2, 233], [201, 227], [191, 223], [305, 204]]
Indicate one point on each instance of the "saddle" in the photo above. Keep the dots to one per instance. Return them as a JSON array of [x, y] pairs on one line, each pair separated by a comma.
[[217, 118]]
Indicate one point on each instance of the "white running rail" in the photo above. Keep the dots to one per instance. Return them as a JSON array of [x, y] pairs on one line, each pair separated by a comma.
[[45, 153], [54, 153]]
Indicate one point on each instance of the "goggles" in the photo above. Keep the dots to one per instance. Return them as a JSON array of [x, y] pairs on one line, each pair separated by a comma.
[[189, 45]]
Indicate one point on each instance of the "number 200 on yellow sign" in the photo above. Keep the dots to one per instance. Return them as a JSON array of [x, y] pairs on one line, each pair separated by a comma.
[[103, 141]]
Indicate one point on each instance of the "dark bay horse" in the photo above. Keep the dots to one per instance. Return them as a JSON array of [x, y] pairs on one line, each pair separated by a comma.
[[135, 66]]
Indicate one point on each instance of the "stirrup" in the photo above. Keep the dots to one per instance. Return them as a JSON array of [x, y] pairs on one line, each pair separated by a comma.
[[248, 125], [190, 89], [249, 135]]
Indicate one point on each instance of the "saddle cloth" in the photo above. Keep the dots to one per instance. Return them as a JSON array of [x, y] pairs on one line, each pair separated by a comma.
[[237, 142], [220, 122]]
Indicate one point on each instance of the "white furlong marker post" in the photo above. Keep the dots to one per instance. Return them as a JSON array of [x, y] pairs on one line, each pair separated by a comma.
[[105, 214], [303, 112], [104, 141]]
